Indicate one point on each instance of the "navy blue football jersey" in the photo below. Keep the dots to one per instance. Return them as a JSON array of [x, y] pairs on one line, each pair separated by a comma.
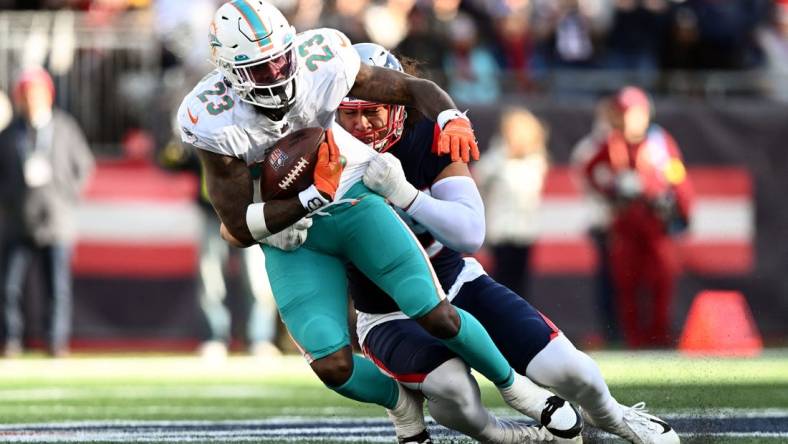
[[421, 168]]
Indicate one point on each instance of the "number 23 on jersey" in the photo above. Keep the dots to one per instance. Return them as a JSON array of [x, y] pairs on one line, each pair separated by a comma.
[[315, 55], [216, 107]]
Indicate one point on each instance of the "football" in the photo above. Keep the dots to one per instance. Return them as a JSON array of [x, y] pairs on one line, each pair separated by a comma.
[[288, 166]]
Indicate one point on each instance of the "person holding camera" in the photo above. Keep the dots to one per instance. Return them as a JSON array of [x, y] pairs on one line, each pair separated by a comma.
[[639, 169]]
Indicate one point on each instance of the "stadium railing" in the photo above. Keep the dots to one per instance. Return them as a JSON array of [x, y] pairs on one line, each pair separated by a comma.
[[105, 68]]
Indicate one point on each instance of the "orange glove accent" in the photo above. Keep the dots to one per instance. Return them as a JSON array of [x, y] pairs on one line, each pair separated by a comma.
[[328, 168], [458, 139]]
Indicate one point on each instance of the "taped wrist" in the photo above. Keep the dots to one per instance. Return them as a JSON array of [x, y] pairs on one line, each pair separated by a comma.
[[255, 221], [311, 199], [450, 114], [404, 195]]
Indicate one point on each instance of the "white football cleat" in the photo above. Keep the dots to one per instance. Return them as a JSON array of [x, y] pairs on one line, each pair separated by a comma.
[[558, 416], [408, 417], [516, 433], [639, 427]]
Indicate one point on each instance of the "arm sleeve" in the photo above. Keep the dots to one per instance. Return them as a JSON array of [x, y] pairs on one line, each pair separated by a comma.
[[454, 214], [85, 161], [81, 158]]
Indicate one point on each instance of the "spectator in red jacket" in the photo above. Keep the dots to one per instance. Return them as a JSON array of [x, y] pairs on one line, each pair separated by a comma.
[[639, 169]]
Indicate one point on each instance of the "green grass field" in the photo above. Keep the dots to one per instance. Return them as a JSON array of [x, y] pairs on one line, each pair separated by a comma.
[[39, 390]]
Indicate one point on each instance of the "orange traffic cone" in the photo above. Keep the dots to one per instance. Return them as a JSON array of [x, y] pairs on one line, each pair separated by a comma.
[[720, 323]]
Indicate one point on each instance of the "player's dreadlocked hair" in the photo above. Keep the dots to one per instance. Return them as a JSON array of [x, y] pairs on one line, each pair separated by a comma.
[[413, 67]]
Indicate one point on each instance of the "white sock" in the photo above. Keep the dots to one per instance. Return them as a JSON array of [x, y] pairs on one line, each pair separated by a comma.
[[454, 401]]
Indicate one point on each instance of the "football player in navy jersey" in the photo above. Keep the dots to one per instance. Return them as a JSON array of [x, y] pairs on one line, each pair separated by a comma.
[[440, 201]]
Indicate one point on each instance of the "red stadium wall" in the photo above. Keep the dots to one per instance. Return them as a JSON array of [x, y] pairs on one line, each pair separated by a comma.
[[719, 240], [136, 259]]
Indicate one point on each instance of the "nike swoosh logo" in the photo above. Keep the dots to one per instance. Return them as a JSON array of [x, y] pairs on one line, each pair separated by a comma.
[[665, 426], [191, 116]]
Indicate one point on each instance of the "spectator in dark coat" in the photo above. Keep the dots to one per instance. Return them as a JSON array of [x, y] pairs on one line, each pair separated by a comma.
[[45, 162], [635, 39]]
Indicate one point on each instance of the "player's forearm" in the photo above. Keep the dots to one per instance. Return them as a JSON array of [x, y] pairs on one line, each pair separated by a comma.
[[229, 238], [266, 219], [280, 214], [263, 220], [229, 185], [429, 98], [389, 86], [454, 214], [232, 213]]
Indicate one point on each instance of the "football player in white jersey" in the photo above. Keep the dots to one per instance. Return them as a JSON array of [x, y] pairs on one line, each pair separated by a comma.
[[270, 81]]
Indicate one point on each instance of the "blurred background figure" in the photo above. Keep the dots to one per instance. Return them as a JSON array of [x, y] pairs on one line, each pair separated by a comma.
[[426, 42], [773, 39], [639, 170], [565, 33], [599, 214], [725, 32], [386, 23], [45, 162], [637, 33], [471, 70], [347, 15], [216, 273], [511, 178], [515, 47]]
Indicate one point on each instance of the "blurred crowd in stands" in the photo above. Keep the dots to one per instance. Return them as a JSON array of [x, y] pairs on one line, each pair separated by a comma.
[[469, 44]]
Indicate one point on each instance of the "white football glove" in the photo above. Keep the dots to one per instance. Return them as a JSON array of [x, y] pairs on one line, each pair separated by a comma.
[[385, 176], [291, 237]]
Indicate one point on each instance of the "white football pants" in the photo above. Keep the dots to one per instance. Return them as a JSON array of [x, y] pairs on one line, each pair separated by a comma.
[[454, 400]]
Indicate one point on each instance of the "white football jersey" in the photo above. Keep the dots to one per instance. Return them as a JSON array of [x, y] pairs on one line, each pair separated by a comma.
[[212, 116]]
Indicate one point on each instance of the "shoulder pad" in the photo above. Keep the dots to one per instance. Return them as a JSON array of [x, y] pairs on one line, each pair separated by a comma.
[[205, 111]]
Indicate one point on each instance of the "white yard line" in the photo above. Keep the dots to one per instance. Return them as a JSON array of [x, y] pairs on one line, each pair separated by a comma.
[[727, 413], [295, 429], [294, 416]]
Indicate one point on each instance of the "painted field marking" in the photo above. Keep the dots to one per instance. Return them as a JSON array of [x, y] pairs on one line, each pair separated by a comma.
[[769, 424]]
